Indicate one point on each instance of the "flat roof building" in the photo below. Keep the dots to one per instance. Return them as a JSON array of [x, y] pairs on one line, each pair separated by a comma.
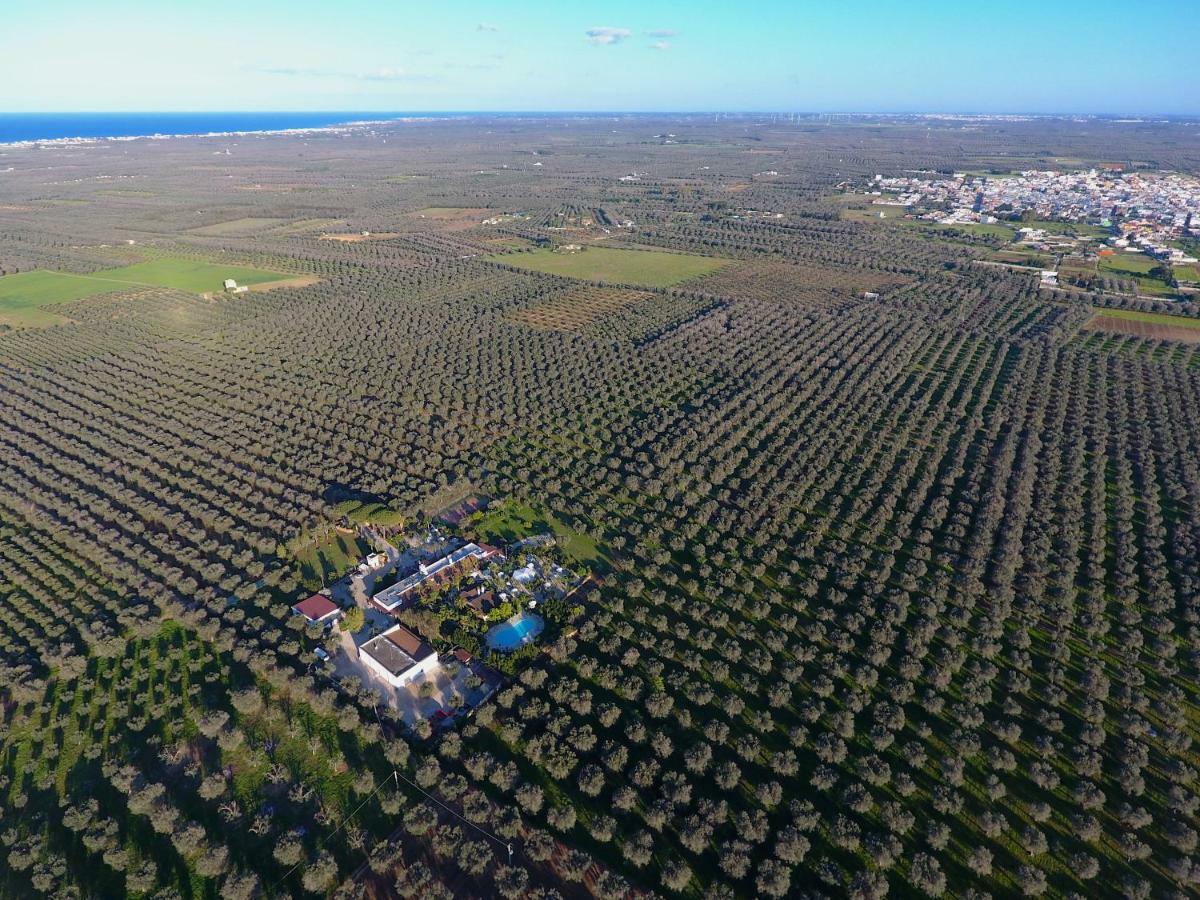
[[398, 656], [439, 571]]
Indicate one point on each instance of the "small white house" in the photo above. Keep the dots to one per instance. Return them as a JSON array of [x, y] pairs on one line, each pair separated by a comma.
[[233, 287]]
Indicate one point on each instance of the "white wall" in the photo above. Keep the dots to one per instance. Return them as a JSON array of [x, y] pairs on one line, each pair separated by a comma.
[[416, 674]]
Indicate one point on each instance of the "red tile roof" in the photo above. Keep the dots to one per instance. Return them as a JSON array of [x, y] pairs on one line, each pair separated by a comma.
[[316, 607]]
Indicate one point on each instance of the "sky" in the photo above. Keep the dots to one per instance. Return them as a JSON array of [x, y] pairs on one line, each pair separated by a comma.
[[649, 55]]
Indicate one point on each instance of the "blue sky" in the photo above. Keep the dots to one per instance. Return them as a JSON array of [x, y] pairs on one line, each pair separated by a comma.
[[390, 55]]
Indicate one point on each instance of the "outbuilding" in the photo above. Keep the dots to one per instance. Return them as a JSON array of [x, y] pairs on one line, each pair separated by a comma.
[[317, 609]]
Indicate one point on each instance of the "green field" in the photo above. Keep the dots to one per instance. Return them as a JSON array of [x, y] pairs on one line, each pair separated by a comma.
[[247, 225], [652, 268], [1133, 263], [1138, 267], [23, 296], [1152, 317], [894, 215], [330, 558], [506, 522]]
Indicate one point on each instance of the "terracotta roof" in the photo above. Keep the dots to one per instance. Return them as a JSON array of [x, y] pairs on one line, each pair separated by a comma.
[[409, 642], [316, 607]]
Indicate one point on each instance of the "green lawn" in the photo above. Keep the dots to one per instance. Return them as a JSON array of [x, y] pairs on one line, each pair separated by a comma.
[[330, 558], [652, 268], [23, 295], [509, 521], [1156, 318], [1133, 263]]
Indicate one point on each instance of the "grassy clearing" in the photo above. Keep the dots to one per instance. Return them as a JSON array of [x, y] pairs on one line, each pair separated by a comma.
[[652, 268], [894, 215], [23, 296], [246, 225], [303, 226], [1138, 267], [331, 556], [1146, 325], [1136, 315], [510, 521], [1132, 263], [370, 513]]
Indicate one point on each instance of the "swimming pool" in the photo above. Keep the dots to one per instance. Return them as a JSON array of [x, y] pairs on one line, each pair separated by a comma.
[[521, 629]]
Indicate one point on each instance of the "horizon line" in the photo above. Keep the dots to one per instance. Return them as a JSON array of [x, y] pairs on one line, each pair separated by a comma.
[[617, 112]]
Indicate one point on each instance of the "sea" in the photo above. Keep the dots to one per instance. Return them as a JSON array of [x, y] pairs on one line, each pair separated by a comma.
[[22, 127]]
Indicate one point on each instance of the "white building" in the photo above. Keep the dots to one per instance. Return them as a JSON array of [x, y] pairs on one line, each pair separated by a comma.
[[399, 656], [440, 571]]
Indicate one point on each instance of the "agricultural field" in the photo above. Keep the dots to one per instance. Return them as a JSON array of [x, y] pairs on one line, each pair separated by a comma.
[[238, 227], [1154, 326], [892, 596], [1137, 267], [575, 307], [450, 218], [650, 268], [894, 215], [24, 296], [806, 284], [1133, 263]]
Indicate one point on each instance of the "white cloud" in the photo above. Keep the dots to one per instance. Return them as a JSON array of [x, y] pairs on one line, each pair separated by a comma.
[[662, 33], [487, 26], [661, 45], [604, 35]]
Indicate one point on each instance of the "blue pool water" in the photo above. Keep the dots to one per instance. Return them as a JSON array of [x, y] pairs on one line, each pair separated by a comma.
[[515, 632]]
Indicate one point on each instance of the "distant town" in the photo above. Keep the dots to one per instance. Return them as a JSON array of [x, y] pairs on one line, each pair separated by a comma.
[[1148, 212]]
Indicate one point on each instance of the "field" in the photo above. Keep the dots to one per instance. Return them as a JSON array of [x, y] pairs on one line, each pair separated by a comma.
[[650, 268], [801, 283], [505, 522], [328, 558], [894, 215], [1020, 256], [1136, 266], [1133, 263], [238, 227], [1154, 326], [360, 238], [450, 218], [24, 296], [575, 307]]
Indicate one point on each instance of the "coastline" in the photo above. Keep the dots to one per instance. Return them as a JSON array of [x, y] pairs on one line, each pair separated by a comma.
[[340, 127]]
